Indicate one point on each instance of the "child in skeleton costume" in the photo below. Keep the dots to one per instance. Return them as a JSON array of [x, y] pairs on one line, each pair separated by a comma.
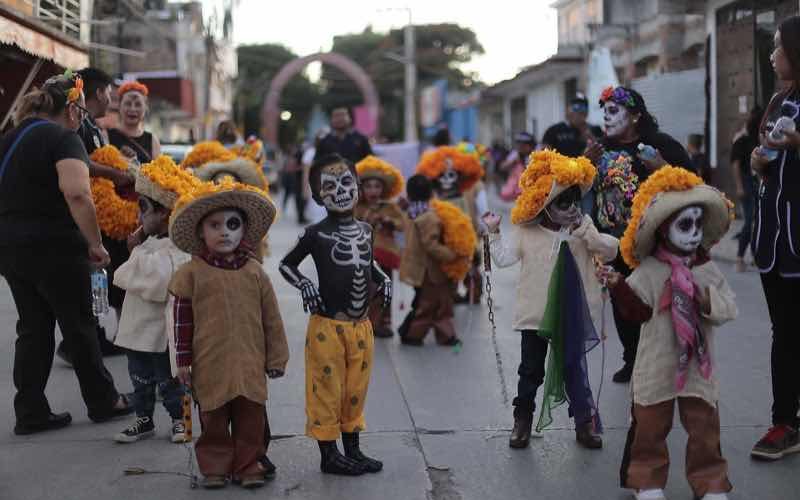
[[145, 277], [380, 184], [678, 295], [440, 244], [558, 295], [455, 174], [228, 328], [339, 339]]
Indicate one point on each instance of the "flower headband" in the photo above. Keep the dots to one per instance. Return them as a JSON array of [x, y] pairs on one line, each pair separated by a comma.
[[133, 87], [74, 93], [618, 95]]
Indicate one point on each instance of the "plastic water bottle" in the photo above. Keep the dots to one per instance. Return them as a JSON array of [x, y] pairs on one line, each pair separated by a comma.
[[647, 152], [99, 292], [784, 124]]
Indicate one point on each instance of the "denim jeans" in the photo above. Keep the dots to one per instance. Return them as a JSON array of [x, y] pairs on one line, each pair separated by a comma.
[[151, 371]]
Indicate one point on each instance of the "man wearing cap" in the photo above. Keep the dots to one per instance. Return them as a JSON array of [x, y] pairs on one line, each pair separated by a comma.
[[571, 136]]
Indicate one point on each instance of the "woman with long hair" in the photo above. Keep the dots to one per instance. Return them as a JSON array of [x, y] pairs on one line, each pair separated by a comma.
[[776, 240], [633, 144], [50, 243]]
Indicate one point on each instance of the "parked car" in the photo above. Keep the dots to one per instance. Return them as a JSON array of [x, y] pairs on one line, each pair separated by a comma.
[[176, 151]]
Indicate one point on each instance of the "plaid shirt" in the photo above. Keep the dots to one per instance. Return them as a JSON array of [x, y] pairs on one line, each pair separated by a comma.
[[182, 309]]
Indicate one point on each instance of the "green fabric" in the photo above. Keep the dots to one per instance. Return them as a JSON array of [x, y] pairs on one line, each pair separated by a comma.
[[550, 329]]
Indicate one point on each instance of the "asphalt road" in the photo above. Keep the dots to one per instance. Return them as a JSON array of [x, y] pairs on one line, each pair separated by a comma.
[[437, 417]]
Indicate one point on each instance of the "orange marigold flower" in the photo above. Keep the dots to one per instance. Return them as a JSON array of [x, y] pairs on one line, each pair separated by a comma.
[[459, 236], [133, 86], [204, 152], [116, 216], [434, 163], [382, 169]]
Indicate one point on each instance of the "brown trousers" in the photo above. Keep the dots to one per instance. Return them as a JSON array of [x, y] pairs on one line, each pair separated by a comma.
[[645, 463], [433, 308], [232, 439]]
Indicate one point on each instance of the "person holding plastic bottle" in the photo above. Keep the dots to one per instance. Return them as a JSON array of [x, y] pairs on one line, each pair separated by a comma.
[[631, 137], [51, 242]]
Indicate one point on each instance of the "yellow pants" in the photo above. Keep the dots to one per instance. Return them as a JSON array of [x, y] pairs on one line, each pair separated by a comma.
[[338, 366]]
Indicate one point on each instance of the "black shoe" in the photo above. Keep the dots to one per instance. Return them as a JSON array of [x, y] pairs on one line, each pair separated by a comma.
[[383, 332], [268, 467], [521, 433], [52, 422], [623, 376], [407, 341], [333, 462], [586, 437], [353, 451], [142, 428]]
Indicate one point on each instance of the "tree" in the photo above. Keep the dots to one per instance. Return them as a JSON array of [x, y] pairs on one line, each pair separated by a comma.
[[258, 65], [440, 49]]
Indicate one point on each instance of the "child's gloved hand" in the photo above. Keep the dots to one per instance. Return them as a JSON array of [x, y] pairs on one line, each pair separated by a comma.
[[312, 300], [387, 293], [274, 373], [492, 221], [185, 375]]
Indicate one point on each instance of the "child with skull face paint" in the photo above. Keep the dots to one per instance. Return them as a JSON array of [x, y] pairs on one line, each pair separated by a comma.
[[228, 328], [339, 339], [145, 277], [627, 124], [679, 296], [380, 183], [555, 245]]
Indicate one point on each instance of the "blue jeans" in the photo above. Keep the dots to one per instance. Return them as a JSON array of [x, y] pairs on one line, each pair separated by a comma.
[[748, 205], [150, 371]]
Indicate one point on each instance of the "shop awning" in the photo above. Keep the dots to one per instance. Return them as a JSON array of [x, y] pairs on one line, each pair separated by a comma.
[[41, 41]]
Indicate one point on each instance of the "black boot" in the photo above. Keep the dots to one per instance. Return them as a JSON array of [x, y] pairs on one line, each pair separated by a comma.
[[586, 437], [623, 376], [351, 450], [334, 462], [521, 433]]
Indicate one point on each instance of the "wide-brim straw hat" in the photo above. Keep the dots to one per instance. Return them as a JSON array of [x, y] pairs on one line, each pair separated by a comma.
[[242, 170], [257, 207], [716, 217], [146, 187]]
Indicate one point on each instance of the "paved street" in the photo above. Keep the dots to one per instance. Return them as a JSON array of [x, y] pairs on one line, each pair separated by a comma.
[[438, 418]]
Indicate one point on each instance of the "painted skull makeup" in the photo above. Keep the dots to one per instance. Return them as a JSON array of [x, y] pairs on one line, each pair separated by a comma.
[[686, 229], [616, 118], [565, 210], [222, 231], [338, 188], [448, 181]]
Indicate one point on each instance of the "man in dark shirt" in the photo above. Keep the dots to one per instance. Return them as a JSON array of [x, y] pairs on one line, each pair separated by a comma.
[[343, 140], [570, 137]]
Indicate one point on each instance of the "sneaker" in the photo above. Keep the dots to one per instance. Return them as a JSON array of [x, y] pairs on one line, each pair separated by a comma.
[[141, 429], [178, 432], [715, 496], [654, 494], [779, 441]]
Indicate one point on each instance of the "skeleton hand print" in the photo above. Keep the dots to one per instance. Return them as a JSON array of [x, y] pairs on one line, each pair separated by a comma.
[[386, 288], [312, 300]]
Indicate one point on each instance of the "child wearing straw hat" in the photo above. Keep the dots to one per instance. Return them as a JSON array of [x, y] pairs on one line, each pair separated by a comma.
[[381, 182], [228, 328], [679, 296], [558, 296], [144, 277]]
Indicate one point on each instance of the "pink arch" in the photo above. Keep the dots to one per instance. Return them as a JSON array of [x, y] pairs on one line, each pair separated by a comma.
[[271, 110]]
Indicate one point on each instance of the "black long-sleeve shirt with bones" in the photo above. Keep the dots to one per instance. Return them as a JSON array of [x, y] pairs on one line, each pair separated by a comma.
[[342, 253]]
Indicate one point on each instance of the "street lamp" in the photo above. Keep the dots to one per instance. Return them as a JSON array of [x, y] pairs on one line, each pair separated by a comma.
[[409, 60]]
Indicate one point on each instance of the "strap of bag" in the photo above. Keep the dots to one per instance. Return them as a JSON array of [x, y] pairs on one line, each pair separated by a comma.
[[7, 157]]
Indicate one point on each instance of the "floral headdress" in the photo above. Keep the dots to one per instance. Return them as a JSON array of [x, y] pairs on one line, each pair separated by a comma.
[[433, 164], [547, 175], [618, 95], [133, 86], [373, 167], [74, 93], [164, 181], [116, 216]]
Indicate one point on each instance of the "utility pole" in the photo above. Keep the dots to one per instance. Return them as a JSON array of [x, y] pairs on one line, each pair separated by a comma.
[[411, 82]]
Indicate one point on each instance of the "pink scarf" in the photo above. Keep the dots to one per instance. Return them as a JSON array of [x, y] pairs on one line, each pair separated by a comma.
[[679, 296]]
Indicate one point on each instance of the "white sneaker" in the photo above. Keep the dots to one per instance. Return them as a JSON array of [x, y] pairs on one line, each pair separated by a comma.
[[655, 494], [178, 432], [715, 496]]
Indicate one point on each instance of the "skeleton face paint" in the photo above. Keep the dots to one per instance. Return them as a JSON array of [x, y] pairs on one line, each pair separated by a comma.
[[686, 229], [152, 220], [222, 231], [616, 118], [565, 210], [338, 188], [448, 181]]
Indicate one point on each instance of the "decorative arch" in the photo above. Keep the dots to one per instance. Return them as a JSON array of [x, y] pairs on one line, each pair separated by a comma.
[[271, 110]]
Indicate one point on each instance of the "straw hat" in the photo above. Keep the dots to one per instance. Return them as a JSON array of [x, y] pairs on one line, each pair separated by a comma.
[[373, 167], [241, 169], [163, 181], [547, 175], [667, 191], [194, 206]]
